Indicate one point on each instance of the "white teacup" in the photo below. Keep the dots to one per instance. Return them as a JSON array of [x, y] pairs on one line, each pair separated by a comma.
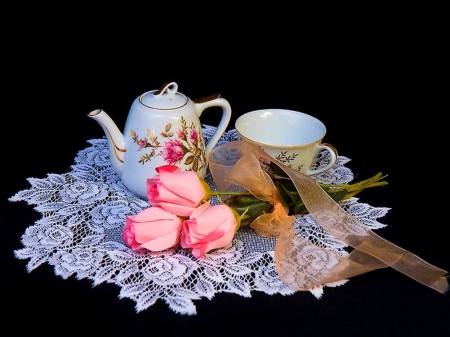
[[292, 137]]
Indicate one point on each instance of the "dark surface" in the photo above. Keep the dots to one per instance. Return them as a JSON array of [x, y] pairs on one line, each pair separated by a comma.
[[379, 82]]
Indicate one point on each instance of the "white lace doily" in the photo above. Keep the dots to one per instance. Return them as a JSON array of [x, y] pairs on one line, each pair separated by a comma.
[[83, 213]]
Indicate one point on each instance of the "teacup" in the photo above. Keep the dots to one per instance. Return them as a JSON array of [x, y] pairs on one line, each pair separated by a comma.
[[292, 137]]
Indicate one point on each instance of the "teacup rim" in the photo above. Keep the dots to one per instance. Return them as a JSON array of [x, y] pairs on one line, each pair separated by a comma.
[[280, 109], [274, 146], [258, 112]]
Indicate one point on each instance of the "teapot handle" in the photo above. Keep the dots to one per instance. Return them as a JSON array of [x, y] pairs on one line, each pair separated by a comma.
[[214, 101]]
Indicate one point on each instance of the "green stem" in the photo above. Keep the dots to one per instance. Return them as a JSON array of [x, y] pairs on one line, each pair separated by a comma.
[[352, 189], [216, 193], [371, 182]]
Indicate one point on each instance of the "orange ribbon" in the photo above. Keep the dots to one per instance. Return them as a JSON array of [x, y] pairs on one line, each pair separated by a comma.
[[301, 264]]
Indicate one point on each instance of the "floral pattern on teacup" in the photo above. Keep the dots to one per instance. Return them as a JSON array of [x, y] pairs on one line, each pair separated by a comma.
[[185, 146], [286, 158]]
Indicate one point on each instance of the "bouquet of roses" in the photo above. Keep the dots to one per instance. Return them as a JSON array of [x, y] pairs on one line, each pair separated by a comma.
[[256, 190], [181, 211]]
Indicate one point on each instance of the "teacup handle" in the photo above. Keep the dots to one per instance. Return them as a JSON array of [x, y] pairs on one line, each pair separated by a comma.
[[214, 101], [333, 153]]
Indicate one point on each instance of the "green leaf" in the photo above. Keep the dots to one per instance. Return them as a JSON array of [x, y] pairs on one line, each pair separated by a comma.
[[286, 197], [253, 206], [299, 208], [338, 196], [274, 168]]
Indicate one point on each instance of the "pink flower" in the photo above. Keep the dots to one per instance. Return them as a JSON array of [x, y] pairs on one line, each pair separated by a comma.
[[180, 134], [209, 227], [173, 151], [193, 136], [142, 143], [178, 192], [153, 229]]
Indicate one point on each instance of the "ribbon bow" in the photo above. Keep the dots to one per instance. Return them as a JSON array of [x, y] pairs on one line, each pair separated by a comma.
[[301, 264]]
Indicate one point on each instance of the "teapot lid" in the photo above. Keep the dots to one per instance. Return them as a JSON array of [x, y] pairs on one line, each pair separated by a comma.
[[166, 97]]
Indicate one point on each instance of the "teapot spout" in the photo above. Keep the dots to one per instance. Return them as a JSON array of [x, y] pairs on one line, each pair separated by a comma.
[[116, 141]]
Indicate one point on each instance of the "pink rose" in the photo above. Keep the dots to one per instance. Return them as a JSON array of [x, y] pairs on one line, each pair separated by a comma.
[[173, 151], [193, 136], [209, 227], [142, 143], [153, 229], [178, 192]]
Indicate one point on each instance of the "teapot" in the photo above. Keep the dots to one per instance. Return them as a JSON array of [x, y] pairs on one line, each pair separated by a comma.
[[162, 127]]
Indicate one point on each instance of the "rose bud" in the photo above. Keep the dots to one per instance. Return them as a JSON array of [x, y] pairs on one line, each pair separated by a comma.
[[178, 192], [153, 228], [209, 227]]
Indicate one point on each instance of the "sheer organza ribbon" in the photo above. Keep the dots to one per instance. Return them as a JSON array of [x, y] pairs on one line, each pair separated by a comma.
[[301, 264]]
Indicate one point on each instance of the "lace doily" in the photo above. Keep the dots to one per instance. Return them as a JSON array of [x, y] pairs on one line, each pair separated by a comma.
[[80, 233]]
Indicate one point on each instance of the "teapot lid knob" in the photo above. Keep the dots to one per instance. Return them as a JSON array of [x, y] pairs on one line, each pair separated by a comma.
[[168, 88], [166, 97]]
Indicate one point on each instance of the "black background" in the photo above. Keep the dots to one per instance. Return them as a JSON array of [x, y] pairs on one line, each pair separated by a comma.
[[376, 76]]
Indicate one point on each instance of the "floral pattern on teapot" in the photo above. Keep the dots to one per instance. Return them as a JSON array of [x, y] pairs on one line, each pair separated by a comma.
[[185, 144]]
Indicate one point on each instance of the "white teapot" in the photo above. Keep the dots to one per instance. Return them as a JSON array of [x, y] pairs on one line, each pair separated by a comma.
[[163, 127]]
